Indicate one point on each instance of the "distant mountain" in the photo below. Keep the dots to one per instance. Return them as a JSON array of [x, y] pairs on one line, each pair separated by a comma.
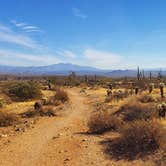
[[67, 68], [56, 69]]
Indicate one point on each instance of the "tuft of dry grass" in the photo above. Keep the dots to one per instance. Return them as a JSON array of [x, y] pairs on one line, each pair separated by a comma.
[[138, 139], [8, 119], [101, 122]]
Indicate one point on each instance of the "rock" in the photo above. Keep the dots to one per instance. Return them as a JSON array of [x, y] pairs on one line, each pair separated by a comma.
[[4, 135], [55, 137], [20, 129], [67, 159], [60, 134], [83, 140]]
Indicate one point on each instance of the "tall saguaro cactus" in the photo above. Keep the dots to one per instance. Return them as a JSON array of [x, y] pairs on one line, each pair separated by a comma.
[[161, 86], [150, 75], [151, 87], [138, 73]]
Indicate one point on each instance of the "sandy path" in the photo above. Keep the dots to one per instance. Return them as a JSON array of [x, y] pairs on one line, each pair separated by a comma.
[[56, 141]]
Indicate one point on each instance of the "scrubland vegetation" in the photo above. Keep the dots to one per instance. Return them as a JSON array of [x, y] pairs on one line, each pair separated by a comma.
[[132, 109]]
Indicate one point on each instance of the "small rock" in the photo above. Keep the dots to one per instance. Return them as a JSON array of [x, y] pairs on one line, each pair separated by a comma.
[[55, 137], [67, 159], [60, 134], [4, 135]]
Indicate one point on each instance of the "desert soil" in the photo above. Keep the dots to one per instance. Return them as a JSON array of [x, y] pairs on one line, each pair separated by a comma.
[[59, 141]]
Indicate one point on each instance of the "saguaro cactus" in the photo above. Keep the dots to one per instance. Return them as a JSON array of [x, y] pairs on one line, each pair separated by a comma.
[[86, 78], [150, 75], [138, 73], [151, 87], [161, 86]]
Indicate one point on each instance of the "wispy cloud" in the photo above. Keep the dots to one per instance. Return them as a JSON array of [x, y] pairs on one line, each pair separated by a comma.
[[4, 28], [78, 13], [26, 27], [41, 59], [9, 36], [66, 53], [21, 24], [101, 59]]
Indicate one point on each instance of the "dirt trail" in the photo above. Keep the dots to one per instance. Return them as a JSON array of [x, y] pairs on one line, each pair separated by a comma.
[[56, 141]]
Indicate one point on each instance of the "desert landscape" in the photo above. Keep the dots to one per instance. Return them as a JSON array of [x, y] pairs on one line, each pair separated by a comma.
[[82, 83], [82, 120]]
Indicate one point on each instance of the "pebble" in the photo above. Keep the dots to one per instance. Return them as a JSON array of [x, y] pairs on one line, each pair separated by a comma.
[[3, 135], [67, 159]]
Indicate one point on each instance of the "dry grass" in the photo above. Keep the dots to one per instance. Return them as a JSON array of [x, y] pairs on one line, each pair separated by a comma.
[[61, 95], [8, 119], [45, 111], [102, 121], [134, 110], [146, 98], [137, 139]]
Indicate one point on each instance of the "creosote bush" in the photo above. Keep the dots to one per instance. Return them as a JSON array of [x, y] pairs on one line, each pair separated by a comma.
[[8, 119], [102, 121], [61, 95], [146, 98], [135, 110], [24, 91], [138, 139]]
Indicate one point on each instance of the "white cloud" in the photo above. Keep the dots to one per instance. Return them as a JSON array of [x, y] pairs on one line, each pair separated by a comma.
[[66, 53], [44, 59], [101, 59], [78, 13], [9, 36], [4, 28], [21, 24], [25, 26]]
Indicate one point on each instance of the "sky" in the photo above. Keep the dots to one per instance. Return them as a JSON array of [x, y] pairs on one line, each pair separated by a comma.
[[107, 34]]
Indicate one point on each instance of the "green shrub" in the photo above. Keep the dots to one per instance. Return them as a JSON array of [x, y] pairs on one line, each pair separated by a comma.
[[24, 91]]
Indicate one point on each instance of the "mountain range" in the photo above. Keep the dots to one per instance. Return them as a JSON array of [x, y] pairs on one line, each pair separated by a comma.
[[67, 68]]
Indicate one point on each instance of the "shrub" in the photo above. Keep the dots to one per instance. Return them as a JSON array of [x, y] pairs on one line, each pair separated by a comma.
[[117, 95], [45, 111], [138, 139], [8, 119], [61, 95], [24, 91], [102, 122], [136, 111], [146, 98], [1, 103]]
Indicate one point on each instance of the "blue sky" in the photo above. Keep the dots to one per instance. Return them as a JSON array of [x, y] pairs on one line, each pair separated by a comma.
[[108, 34]]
